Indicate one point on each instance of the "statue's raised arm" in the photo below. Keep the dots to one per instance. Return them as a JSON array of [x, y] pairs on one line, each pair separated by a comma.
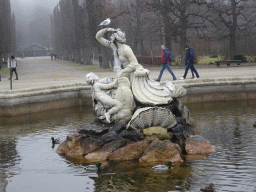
[[103, 41]]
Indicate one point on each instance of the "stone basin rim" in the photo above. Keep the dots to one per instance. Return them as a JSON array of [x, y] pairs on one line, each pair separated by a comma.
[[83, 86]]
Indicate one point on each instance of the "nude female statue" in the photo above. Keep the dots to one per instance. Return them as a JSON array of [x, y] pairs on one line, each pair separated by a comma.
[[145, 91], [121, 51]]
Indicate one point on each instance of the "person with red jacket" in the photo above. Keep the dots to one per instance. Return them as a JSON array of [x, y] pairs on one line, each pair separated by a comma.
[[166, 59]]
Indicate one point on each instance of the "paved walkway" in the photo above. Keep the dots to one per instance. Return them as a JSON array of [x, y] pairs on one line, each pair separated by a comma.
[[42, 72]]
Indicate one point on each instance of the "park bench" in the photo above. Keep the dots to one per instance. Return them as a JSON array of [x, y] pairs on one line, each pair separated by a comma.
[[228, 62]]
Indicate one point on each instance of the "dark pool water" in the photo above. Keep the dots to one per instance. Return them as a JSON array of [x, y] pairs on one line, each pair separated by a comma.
[[28, 163]]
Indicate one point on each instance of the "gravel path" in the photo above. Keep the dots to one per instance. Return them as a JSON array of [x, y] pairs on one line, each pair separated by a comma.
[[41, 72]]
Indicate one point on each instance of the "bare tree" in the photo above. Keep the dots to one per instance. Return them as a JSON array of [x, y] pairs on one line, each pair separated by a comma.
[[179, 16], [6, 26], [229, 16]]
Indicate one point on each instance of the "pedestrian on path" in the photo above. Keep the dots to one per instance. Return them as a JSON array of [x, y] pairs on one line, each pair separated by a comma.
[[51, 54], [13, 66], [165, 63], [189, 61], [55, 56]]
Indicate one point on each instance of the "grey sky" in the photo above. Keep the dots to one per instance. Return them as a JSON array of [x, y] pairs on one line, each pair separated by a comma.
[[28, 5], [27, 9], [33, 21]]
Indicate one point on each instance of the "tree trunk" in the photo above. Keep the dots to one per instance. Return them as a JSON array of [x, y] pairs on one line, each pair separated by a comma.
[[233, 31], [183, 31], [138, 29], [168, 29]]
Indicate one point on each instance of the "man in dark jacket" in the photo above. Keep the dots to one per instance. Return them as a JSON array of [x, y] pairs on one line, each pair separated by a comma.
[[165, 63], [190, 60]]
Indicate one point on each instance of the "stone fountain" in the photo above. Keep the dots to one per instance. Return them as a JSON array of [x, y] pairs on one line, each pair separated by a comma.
[[136, 118]]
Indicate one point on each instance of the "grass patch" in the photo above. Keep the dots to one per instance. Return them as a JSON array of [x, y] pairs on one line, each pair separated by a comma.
[[250, 59], [91, 68], [206, 60], [5, 71]]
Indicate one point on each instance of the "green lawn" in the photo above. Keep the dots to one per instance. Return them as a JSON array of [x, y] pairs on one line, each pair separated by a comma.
[[4, 71], [91, 68], [206, 60]]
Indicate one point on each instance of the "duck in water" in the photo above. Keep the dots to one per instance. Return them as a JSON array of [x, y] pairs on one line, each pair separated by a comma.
[[209, 188], [163, 167], [55, 141]]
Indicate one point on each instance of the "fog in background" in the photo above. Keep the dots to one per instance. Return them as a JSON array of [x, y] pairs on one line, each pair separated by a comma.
[[33, 21]]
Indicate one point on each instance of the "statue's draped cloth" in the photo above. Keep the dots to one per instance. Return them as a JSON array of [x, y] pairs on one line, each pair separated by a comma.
[[151, 92]]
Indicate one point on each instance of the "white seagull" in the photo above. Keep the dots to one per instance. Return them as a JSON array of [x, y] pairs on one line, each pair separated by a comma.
[[105, 22]]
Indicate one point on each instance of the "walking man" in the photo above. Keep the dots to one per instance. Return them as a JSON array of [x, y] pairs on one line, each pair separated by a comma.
[[13, 66], [189, 61], [165, 63]]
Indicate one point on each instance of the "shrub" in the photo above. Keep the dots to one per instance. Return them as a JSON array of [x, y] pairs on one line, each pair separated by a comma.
[[224, 57], [240, 57], [148, 60], [250, 59], [196, 59], [177, 60]]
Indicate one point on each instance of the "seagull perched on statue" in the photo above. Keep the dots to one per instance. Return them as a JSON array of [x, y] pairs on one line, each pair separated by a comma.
[[105, 22]]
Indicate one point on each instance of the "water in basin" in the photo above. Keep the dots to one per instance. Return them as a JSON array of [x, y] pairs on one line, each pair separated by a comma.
[[29, 163]]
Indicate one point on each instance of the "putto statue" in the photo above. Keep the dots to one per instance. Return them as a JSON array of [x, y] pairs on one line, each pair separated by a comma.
[[117, 103]]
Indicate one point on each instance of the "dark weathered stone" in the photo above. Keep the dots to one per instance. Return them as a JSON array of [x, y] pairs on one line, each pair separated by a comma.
[[181, 120], [108, 137], [254, 125], [132, 135], [94, 129], [161, 151], [180, 133], [119, 126], [130, 152], [184, 111], [174, 108], [196, 144], [101, 155]]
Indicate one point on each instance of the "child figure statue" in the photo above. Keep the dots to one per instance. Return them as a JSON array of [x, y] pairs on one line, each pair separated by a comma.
[[101, 96]]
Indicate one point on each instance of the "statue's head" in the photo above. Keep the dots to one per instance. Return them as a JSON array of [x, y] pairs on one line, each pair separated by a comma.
[[119, 36], [91, 78]]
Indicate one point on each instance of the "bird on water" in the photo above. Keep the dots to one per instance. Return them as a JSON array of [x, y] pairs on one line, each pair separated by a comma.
[[55, 141], [209, 188], [163, 167]]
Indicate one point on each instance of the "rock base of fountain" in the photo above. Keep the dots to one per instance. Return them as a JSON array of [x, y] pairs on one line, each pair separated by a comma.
[[99, 142]]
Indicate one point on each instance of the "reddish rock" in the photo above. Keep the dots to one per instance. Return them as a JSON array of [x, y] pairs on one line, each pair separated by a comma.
[[101, 155], [196, 144], [130, 152], [161, 151], [78, 145]]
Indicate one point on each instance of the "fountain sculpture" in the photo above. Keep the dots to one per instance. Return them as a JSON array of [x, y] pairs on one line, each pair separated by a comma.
[[126, 107]]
